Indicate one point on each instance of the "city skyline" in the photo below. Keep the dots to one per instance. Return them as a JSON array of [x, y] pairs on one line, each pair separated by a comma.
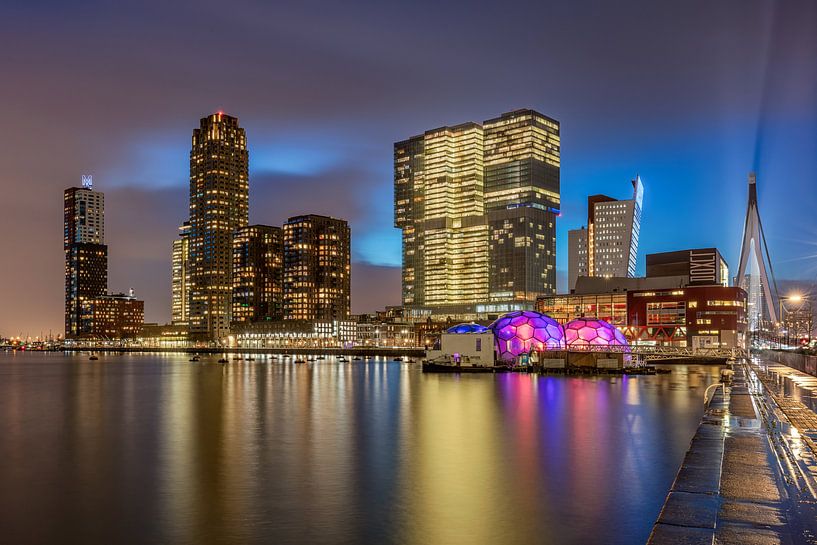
[[330, 151]]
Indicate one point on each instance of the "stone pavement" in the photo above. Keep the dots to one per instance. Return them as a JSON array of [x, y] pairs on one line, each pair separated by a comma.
[[731, 487]]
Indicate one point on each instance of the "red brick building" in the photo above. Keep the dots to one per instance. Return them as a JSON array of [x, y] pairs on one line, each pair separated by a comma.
[[694, 316]]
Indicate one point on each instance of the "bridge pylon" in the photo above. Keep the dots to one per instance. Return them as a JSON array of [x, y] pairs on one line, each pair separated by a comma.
[[755, 239]]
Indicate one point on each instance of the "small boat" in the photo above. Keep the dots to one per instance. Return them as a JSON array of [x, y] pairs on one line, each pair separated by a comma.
[[397, 359], [342, 359], [411, 361], [195, 358], [356, 358], [250, 359], [93, 357], [310, 359], [237, 359], [299, 361], [222, 360], [320, 358]]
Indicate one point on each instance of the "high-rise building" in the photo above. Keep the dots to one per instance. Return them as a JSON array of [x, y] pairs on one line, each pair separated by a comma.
[[409, 211], [258, 264], [608, 247], [317, 268], [455, 254], [181, 276], [86, 255], [219, 205], [522, 200], [477, 206], [577, 255]]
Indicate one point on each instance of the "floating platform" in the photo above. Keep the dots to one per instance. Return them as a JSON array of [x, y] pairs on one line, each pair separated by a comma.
[[431, 367]]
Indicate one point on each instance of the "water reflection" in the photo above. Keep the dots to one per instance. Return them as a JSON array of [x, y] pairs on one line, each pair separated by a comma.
[[154, 449]]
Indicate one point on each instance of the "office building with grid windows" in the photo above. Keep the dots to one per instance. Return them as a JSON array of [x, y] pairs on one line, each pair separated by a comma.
[[477, 206], [608, 246]]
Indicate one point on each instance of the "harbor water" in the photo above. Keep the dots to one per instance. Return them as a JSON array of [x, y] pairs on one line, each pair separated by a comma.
[[153, 448]]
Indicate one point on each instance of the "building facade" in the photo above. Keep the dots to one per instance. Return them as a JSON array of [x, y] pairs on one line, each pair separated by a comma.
[[317, 268], [701, 266], [477, 206], [608, 247], [258, 274], [180, 278], [219, 205], [113, 317], [696, 316], [522, 157], [86, 255]]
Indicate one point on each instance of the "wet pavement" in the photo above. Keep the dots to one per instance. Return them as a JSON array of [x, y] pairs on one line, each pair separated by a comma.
[[748, 477]]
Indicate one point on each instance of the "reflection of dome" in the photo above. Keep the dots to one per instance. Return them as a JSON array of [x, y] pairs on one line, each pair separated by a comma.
[[586, 332], [467, 328], [519, 331]]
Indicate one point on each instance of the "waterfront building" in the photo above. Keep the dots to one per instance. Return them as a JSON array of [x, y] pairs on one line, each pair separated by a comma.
[[608, 246], [219, 205], [86, 255], [180, 280], [683, 301], [164, 336], [695, 316], [476, 204], [295, 333], [317, 268], [113, 317], [258, 263]]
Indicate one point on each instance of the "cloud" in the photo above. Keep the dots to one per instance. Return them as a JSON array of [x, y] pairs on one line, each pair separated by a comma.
[[673, 91]]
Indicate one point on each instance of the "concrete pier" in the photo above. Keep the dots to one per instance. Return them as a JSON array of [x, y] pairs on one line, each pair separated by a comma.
[[742, 480]]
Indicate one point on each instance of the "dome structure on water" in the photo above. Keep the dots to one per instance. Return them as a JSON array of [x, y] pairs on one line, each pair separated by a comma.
[[590, 332], [520, 331], [467, 328]]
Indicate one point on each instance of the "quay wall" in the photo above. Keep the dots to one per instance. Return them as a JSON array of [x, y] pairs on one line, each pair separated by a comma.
[[801, 362]]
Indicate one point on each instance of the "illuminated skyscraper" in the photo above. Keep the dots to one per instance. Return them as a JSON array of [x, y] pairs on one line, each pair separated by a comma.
[[219, 204], [317, 268], [455, 254], [258, 263], [609, 245], [181, 276], [522, 200], [477, 207], [86, 255]]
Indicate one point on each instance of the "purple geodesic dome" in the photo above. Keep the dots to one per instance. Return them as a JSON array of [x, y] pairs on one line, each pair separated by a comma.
[[467, 328], [520, 331], [590, 332]]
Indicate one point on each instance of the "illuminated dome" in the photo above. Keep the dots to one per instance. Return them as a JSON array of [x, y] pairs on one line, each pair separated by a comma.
[[467, 328], [519, 331], [587, 332]]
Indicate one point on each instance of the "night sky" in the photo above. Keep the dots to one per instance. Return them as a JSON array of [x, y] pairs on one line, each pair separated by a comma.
[[691, 95]]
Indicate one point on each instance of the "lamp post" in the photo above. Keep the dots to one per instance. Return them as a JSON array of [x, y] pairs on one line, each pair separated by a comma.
[[794, 298]]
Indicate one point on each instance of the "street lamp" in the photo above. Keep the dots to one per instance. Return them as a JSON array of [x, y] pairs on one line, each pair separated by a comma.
[[793, 298]]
